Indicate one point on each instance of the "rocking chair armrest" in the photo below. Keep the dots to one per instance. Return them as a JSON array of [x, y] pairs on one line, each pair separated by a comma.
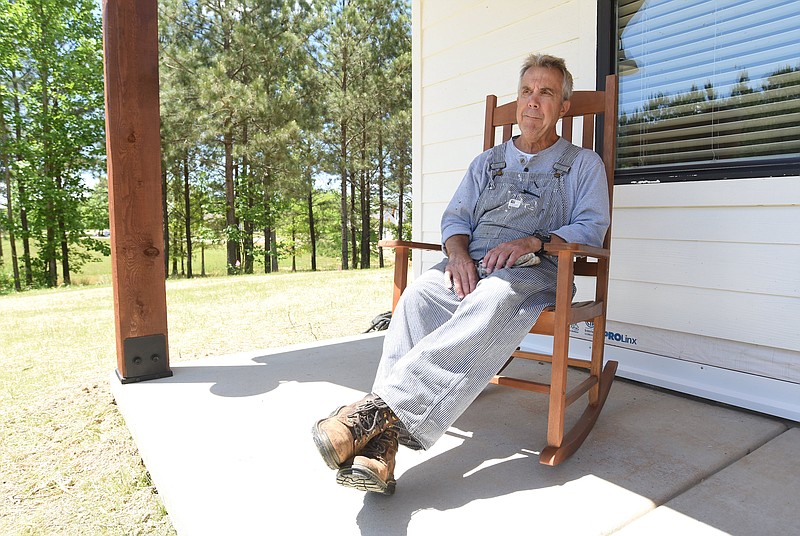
[[408, 244], [550, 248], [401, 257], [578, 250]]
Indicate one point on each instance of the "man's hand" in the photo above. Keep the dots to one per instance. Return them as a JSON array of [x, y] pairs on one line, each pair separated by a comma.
[[460, 273], [506, 254]]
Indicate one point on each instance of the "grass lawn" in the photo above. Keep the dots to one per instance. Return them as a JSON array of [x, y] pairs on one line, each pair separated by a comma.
[[68, 463]]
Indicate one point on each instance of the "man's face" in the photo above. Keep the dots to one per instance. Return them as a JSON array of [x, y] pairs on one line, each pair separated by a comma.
[[540, 105]]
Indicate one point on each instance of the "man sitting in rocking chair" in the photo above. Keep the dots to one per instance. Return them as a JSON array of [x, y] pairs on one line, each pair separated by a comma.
[[458, 323]]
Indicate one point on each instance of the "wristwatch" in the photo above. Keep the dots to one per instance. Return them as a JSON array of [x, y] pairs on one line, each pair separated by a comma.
[[544, 237]]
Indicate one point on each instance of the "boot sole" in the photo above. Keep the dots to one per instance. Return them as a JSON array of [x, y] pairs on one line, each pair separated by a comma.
[[363, 479], [324, 445]]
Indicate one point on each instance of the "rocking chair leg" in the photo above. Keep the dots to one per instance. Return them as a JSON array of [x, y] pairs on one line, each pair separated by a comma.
[[553, 455]]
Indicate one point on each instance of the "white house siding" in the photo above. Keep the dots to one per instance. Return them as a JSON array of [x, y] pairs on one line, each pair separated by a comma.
[[705, 279]]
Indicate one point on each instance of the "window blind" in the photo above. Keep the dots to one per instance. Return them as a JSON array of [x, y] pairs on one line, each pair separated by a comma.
[[707, 81]]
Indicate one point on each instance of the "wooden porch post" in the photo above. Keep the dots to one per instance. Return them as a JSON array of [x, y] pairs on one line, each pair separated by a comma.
[[133, 145]]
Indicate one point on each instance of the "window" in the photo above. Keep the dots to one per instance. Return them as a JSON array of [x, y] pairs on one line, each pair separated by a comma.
[[708, 88]]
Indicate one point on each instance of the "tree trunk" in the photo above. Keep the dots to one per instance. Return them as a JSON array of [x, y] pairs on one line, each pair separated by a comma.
[[175, 255], [353, 218], [311, 231], [401, 183], [246, 186], [274, 255], [381, 202], [248, 240], [52, 206], [21, 189], [187, 216], [174, 266], [26, 232], [177, 243], [10, 212], [294, 248], [183, 252], [343, 164], [230, 201], [65, 271], [267, 224], [343, 201], [365, 195], [50, 251], [165, 214], [62, 233], [267, 249]]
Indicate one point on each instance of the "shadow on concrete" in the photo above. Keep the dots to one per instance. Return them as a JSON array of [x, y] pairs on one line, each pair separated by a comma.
[[350, 363]]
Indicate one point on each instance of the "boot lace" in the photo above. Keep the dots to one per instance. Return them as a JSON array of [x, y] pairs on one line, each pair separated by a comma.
[[368, 416], [379, 448]]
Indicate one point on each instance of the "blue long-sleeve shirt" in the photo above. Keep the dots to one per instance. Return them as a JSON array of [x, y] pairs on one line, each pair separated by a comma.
[[586, 193]]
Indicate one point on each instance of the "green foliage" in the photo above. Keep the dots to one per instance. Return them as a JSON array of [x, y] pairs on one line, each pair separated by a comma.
[[52, 105], [94, 207]]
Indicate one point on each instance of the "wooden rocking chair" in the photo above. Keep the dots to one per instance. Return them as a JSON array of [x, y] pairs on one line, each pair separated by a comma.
[[573, 259]]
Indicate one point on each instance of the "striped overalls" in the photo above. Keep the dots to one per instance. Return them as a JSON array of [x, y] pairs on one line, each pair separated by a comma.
[[440, 352]]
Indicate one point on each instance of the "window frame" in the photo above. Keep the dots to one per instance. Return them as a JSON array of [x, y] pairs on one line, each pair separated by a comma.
[[744, 169]]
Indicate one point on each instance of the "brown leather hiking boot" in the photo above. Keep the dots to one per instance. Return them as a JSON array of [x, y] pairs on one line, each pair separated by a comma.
[[373, 469], [348, 429]]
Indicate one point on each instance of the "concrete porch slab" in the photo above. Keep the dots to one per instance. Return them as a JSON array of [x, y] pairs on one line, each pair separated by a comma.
[[758, 494], [227, 442]]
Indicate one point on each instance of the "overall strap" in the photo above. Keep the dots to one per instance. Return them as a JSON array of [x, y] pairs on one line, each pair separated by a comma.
[[564, 163], [497, 163]]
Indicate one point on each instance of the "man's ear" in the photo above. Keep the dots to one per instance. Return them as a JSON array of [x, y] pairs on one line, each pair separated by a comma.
[[564, 108]]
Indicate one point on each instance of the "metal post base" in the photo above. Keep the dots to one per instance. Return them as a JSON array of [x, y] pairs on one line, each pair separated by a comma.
[[145, 359]]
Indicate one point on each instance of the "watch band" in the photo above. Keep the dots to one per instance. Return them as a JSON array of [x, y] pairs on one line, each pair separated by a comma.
[[544, 237]]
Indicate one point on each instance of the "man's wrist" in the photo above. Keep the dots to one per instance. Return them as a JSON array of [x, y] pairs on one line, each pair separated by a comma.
[[456, 244]]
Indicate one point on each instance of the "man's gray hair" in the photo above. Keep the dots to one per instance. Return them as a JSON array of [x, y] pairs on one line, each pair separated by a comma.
[[549, 62]]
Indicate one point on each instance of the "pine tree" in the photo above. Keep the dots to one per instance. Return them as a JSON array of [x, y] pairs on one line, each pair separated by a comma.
[[363, 54]]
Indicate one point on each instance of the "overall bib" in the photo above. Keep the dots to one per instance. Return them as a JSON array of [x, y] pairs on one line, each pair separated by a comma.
[[440, 352]]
